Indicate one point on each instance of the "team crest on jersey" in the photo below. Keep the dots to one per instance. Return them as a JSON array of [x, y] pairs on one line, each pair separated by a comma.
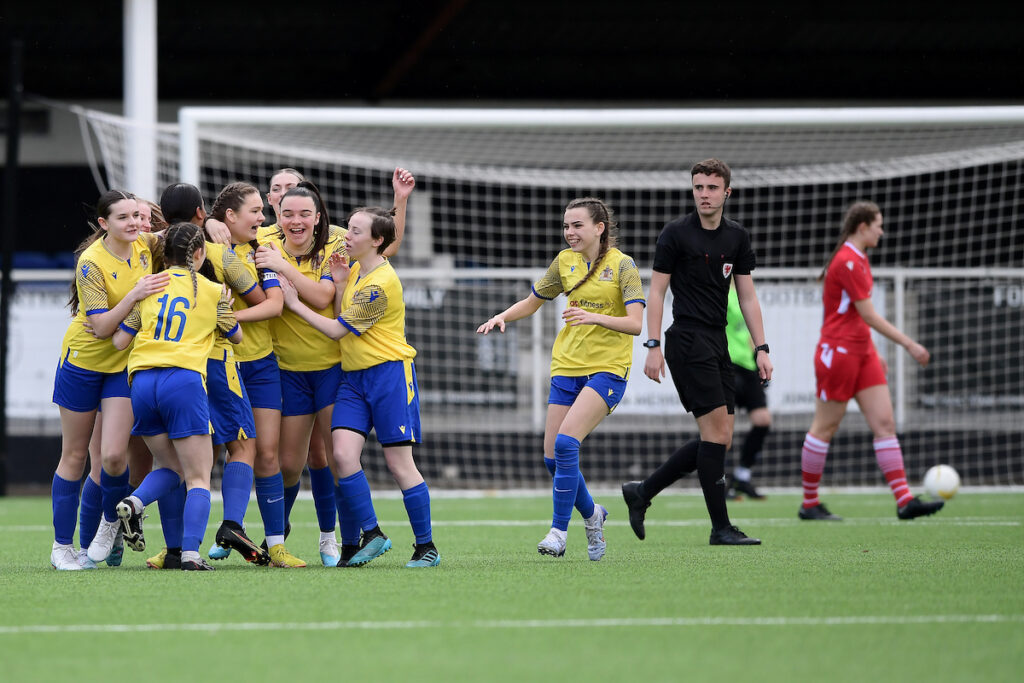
[[144, 261], [606, 274], [726, 270], [849, 265], [251, 257]]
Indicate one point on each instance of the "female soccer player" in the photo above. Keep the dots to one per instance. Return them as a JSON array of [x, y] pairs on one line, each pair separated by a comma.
[[590, 360], [847, 365], [378, 390], [167, 368], [112, 273]]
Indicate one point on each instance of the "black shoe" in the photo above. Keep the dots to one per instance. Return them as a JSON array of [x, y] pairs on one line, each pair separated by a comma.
[[131, 525], [287, 530], [637, 505], [818, 513], [747, 489], [199, 565], [730, 535], [919, 508], [232, 535], [172, 560], [347, 553]]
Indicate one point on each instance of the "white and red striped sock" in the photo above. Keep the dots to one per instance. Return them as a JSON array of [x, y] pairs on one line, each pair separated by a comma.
[[812, 465], [890, 461]]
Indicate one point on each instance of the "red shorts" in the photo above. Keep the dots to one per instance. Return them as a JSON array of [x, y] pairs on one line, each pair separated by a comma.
[[841, 372]]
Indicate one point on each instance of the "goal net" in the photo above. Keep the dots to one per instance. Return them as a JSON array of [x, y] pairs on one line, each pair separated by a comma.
[[485, 221]]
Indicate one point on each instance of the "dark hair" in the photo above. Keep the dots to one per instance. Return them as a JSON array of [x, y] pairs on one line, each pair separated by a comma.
[[180, 243], [713, 167], [599, 213], [180, 201], [382, 224], [321, 231], [288, 169], [232, 197], [859, 212], [104, 207]]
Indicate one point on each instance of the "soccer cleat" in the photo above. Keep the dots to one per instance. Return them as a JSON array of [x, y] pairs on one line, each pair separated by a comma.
[[553, 544], [217, 552], [199, 565], [117, 552], [103, 542], [595, 533], [374, 544], [65, 557], [746, 488], [731, 535], [165, 560], [280, 557], [287, 530], [232, 536], [919, 508], [637, 505], [818, 512], [424, 555], [131, 525], [347, 553], [329, 553], [83, 559]]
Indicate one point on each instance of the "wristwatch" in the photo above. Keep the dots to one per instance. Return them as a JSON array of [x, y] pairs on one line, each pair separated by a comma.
[[762, 347], [652, 343]]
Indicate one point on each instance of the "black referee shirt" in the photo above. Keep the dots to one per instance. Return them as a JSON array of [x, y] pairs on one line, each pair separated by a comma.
[[701, 264]]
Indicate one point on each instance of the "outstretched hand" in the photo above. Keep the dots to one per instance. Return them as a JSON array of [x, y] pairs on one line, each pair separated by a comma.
[[403, 182], [496, 321], [340, 269]]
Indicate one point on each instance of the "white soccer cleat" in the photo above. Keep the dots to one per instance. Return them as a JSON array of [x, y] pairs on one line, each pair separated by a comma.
[[553, 544], [329, 552], [83, 559], [103, 542], [64, 557], [595, 533]]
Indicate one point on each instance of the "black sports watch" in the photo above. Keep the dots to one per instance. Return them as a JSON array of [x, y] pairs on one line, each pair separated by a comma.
[[652, 343], [762, 347]]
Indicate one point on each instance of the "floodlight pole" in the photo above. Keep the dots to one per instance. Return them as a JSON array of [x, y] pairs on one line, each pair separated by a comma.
[[140, 76]]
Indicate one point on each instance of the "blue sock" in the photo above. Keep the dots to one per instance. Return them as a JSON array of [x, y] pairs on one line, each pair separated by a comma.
[[156, 485], [322, 483], [235, 486], [347, 521], [197, 516], [114, 489], [89, 512], [584, 501], [417, 505], [567, 480], [172, 514], [290, 494], [270, 498], [355, 492], [64, 498]]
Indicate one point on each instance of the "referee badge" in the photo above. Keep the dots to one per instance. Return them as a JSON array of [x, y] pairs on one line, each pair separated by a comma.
[[726, 270]]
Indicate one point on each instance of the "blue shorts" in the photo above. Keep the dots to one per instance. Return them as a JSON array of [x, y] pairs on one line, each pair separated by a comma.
[[610, 387], [230, 411], [82, 390], [385, 398], [262, 381], [308, 392], [169, 401]]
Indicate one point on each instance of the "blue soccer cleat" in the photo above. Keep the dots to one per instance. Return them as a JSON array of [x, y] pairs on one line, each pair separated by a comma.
[[375, 544], [424, 555]]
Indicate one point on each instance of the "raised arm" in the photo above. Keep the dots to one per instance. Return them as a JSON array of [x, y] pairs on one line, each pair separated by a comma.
[[403, 182]]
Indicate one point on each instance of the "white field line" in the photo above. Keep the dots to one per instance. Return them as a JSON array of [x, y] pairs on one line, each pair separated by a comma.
[[519, 624]]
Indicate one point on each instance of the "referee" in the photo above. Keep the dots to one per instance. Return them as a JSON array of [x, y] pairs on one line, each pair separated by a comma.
[[698, 255]]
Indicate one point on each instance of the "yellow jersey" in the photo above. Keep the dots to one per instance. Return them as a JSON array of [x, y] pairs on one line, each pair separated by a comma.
[[587, 349], [373, 310], [103, 280], [231, 271], [299, 346], [176, 328], [256, 340]]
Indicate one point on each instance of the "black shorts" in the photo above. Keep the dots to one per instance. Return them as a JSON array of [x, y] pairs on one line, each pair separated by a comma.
[[698, 358], [749, 390]]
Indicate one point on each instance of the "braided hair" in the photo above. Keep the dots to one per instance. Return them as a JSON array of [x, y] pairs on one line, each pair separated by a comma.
[[180, 245], [104, 207], [859, 212], [599, 213]]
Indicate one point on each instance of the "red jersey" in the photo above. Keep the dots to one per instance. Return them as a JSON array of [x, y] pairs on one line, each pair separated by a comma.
[[848, 280]]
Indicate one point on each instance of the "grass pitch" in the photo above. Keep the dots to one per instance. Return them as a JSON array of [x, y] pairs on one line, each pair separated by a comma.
[[939, 598]]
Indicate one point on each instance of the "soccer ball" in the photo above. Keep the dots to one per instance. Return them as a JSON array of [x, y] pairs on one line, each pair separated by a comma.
[[941, 481]]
